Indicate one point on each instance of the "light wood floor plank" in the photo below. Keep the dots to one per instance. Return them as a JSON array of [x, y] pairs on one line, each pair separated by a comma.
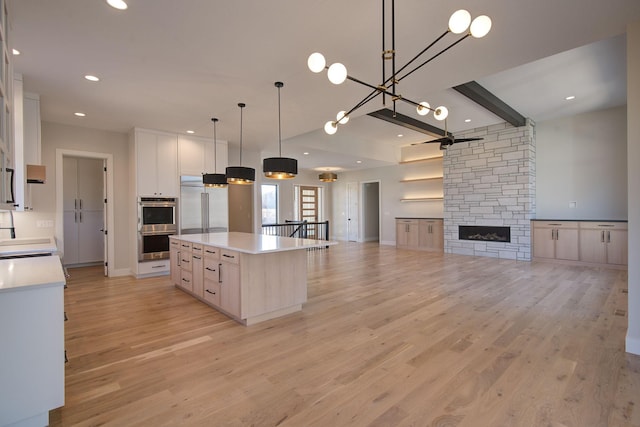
[[388, 337]]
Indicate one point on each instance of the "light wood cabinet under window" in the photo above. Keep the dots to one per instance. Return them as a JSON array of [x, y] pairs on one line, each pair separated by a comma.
[[603, 242], [556, 240]]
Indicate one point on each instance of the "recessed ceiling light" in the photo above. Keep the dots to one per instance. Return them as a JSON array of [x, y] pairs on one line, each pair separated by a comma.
[[570, 97], [16, 52], [92, 78], [358, 161], [400, 135], [306, 153], [467, 120], [190, 131], [80, 114], [117, 4]]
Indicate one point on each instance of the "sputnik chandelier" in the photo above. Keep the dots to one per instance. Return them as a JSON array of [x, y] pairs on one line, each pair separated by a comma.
[[459, 22]]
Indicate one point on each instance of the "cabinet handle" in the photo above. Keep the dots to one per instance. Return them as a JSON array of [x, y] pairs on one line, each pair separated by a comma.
[[197, 249], [80, 203], [185, 260], [158, 266], [185, 246], [75, 203], [608, 237], [179, 258], [210, 252], [186, 280], [80, 216], [228, 256], [602, 236], [207, 290], [196, 257], [557, 234], [219, 273], [210, 269]]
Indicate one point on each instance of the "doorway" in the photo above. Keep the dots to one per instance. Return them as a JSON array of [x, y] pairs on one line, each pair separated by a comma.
[[352, 212], [371, 211], [101, 218]]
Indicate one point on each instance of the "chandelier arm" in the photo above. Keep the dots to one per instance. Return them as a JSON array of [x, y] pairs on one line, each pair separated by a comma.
[[421, 53], [364, 101], [434, 57]]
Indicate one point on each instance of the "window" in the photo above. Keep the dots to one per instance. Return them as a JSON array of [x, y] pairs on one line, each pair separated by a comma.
[[269, 204]]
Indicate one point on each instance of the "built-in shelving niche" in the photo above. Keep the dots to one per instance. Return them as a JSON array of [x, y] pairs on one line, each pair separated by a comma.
[[422, 174]]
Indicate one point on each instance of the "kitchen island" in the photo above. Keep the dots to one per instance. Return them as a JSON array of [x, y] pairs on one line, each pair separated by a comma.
[[32, 332], [249, 277]]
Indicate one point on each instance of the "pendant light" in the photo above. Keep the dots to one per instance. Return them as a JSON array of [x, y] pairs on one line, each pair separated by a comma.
[[215, 179], [327, 177], [240, 174], [279, 167]]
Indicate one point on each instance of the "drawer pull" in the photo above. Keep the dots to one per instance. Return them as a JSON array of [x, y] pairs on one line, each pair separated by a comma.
[[606, 225], [219, 273], [228, 256], [207, 290], [186, 280], [186, 260], [185, 246], [196, 257], [197, 249], [159, 266], [210, 252], [210, 269]]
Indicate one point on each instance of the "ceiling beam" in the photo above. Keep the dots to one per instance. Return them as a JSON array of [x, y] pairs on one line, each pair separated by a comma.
[[486, 99], [408, 122]]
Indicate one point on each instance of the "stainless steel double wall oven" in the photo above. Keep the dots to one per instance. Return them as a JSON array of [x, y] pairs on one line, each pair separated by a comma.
[[157, 220]]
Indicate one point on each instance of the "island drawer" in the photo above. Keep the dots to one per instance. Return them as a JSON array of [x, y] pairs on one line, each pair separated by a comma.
[[185, 261], [212, 292], [186, 280], [211, 252], [185, 246], [211, 269], [230, 256], [197, 248]]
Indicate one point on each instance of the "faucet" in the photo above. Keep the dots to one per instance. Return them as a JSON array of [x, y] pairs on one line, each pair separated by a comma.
[[12, 228]]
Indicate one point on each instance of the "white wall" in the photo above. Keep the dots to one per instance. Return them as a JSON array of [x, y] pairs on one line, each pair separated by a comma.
[[56, 136], [582, 159], [633, 159], [391, 191]]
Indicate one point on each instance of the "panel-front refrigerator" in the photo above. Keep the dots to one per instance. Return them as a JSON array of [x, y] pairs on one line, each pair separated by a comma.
[[202, 209]]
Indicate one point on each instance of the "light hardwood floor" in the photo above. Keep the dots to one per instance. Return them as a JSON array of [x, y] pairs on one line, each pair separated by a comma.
[[387, 338]]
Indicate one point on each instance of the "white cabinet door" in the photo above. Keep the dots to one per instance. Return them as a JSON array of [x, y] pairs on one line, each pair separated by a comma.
[[192, 153], [157, 164], [167, 165], [146, 169]]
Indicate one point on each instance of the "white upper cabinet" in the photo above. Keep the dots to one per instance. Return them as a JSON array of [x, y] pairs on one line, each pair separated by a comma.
[[157, 164], [198, 155]]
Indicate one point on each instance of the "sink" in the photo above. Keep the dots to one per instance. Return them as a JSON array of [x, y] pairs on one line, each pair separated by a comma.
[[25, 241]]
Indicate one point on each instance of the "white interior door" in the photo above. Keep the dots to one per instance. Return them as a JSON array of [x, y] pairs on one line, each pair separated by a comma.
[[352, 211]]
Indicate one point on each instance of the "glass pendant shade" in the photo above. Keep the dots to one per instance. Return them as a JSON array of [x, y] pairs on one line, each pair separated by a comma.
[[337, 73], [330, 127], [240, 175], [280, 167], [459, 21], [316, 62], [441, 113], [327, 177], [423, 109], [480, 26]]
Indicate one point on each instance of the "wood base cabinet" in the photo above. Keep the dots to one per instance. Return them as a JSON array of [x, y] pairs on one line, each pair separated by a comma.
[[603, 242], [590, 243], [556, 240], [420, 233]]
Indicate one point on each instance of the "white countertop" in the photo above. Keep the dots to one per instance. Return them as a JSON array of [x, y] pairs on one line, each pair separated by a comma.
[[253, 243], [28, 245], [24, 273]]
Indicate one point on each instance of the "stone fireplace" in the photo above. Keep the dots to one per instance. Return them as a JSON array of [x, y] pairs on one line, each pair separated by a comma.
[[490, 184]]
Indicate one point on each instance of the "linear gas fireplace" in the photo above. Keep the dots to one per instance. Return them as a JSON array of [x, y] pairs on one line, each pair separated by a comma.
[[484, 233]]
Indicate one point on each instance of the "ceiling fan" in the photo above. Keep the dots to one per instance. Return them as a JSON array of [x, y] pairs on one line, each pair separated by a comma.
[[448, 139]]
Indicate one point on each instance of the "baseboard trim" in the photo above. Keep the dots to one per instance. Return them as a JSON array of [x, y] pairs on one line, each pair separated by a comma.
[[388, 242], [120, 272]]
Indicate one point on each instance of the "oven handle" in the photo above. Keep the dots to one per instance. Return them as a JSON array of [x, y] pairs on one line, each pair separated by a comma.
[[157, 233]]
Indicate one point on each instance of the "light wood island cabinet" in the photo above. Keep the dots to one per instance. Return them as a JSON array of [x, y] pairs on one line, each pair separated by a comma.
[[249, 277]]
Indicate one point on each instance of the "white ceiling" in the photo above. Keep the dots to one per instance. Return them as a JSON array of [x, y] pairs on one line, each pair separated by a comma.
[[172, 65]]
